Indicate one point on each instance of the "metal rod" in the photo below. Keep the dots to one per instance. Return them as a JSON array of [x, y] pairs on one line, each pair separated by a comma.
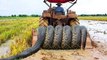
[[50, 5], [69, 8], [72, 5], [46, 3]]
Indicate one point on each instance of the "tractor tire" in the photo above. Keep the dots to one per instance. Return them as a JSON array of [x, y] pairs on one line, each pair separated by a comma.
[[43, 22], [49, 37], [57, 37], [67, 37], [76, 37], [34, 49], [83, 36]]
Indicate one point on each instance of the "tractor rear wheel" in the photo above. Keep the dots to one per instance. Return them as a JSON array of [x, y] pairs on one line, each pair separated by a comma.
[[43, 22], [83, 36], [76, 37], [67, 37]]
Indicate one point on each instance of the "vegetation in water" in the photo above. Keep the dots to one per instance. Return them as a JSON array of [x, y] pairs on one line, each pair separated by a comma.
[[17, 29]]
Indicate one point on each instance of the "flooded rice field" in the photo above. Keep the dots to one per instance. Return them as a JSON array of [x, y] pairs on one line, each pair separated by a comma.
[[96, 29]]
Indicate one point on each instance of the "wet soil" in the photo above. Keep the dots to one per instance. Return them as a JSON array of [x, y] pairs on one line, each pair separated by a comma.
[[98, 34]]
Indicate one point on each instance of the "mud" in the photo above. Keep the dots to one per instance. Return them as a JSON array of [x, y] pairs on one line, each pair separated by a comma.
[[98, 34], [88, 54]]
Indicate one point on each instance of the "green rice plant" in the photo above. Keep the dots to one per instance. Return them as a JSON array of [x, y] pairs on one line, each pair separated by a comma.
[[19, 32], [23, 40], [6, 35], [99, 18]]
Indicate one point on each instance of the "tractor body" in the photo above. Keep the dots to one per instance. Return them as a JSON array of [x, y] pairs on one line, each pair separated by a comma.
[[57, 31], [63, 31]]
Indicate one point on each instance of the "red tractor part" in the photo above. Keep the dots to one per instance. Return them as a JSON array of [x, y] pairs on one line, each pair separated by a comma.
[[59, 1]]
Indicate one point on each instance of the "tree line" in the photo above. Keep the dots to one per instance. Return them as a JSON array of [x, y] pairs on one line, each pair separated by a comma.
[[93, 14], [34, 15], [22, 15]]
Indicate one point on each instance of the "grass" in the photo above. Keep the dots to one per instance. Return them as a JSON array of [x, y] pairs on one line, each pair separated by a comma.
[[99, 18], [14, 18], [17, 29], [11, 29], [22, 40]]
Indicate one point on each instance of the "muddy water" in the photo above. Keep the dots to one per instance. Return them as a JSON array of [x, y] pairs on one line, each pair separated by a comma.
[[5, 48], [97, 29]]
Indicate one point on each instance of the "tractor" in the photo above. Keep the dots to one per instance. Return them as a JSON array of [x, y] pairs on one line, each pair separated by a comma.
[[57, 30]]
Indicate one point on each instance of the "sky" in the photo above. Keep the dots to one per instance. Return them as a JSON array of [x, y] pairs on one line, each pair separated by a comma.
[[9, 7]]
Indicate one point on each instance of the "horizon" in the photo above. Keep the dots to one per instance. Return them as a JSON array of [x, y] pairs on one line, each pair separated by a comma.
[[29, 7], [40, 15]]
